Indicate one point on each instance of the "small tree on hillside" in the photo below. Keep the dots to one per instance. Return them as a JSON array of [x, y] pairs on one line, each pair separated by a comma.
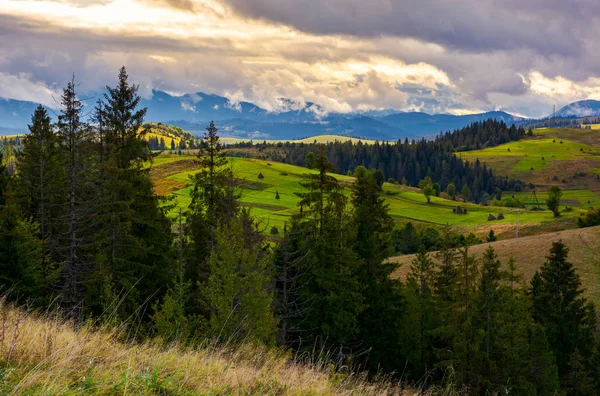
[[466, 192], [451, 190], [310, 160], [426, 187], [553, 201]]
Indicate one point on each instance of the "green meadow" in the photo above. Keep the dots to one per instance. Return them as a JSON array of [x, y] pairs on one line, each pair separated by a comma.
[[533, 154], [571, 198], [406, 204]]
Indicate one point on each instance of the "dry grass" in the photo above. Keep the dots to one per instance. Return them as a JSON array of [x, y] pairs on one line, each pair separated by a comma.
[[46, 356], [530, 253]]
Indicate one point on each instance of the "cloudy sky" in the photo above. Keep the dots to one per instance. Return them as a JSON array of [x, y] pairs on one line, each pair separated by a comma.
[[456, 56]]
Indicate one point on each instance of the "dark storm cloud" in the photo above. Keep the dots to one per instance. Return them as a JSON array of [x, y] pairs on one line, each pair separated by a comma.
[[549, 27]]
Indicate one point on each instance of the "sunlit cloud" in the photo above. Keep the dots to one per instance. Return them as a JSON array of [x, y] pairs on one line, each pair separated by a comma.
[[221, 47]]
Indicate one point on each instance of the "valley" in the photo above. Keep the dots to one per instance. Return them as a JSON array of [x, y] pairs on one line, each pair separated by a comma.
[[171, 174]]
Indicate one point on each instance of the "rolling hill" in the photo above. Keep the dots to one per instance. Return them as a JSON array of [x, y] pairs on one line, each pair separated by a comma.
[[530, 254], [569, 158], [171, 175]]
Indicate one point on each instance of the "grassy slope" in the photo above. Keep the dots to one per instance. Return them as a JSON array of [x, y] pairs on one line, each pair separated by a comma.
[[171, 175], [545, 161], [530, 253], [318, 139], [45, 356]]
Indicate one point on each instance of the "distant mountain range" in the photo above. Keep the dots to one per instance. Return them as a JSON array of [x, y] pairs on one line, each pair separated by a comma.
[[583, 108], [298, 120]]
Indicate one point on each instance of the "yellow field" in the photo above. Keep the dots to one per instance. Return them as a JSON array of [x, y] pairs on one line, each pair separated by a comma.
[[168, 139]]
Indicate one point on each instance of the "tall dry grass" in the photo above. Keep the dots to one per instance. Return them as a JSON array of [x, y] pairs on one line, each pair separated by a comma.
[[42, 354]]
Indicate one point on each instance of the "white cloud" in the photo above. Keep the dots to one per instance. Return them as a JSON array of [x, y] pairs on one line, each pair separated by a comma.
[[187, 107], [21, 87]]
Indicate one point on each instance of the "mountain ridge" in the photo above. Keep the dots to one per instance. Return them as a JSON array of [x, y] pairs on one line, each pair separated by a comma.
[[247, 120], [581, 108]]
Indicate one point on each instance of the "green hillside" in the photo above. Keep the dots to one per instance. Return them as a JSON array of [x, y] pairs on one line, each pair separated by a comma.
[[171, 174], [154, 132], [569, 158]]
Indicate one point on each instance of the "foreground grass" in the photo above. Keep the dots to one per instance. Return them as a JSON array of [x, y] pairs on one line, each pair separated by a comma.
[[48, 356], [530, 254]]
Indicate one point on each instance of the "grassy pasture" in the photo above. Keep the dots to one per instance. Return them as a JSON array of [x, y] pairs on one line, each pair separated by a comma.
[[586, 136], [171, 174], [530, 254], [538, 153], [579, 198], [544, 161]]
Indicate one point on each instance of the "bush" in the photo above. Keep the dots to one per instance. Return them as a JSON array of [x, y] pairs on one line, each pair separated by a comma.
[[509, 202], [589, 219]]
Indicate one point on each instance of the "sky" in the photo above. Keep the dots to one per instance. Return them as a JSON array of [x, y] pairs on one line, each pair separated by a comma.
[[436, 56]]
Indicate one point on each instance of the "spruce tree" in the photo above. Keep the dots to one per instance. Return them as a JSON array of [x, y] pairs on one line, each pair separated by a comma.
[[76, 201], [380, 322], [568, 318], [420, 319], [214, 202], [330, 295], [39, 181], [20, 251], [4, 179], [133, 239], [238, 293]]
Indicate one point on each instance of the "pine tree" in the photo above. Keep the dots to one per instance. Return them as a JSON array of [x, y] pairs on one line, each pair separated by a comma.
[[4, 179], [39, 182], [579, 380], [420, 319], [214, 202], [237, 291], [133, 239], [75, 238], [380, 324], [330, 295], [568, 318], [324, 192], [287, 258], [20, 252]]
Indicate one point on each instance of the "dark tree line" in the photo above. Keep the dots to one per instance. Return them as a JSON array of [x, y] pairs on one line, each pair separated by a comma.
[[410, 162], [81, 225], [482, 134]]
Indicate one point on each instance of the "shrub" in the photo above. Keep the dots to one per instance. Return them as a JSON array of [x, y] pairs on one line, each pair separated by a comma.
[[589, 219]]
